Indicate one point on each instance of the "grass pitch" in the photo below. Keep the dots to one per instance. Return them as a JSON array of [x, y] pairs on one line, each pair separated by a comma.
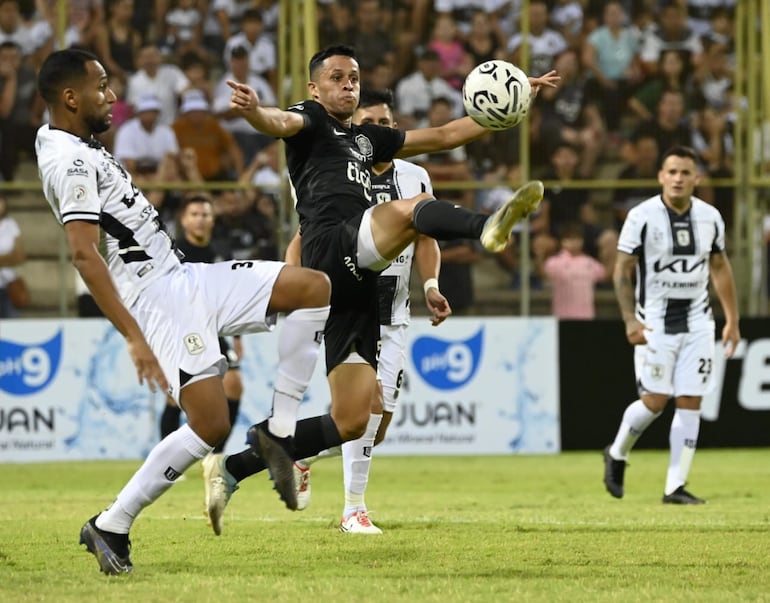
[[537, 528]]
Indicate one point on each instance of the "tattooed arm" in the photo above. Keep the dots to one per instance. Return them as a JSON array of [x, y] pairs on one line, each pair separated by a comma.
[[625, 264]]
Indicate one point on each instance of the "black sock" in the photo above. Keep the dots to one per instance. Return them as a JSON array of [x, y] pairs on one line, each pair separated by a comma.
[[311, 437], [169, 420], [445, 221], [232, 410]]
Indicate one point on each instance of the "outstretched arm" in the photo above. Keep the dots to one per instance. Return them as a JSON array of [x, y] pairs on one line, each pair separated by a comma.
[[268, 120], [459, 131]]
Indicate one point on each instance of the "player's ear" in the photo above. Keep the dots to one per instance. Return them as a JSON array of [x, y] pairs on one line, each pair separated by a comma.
[[70, 98], [313, 89]]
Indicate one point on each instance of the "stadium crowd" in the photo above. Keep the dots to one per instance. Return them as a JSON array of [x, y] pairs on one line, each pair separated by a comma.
[[638, 76]]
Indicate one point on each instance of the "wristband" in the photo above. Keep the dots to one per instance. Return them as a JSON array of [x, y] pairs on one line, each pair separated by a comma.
[[431, 282]]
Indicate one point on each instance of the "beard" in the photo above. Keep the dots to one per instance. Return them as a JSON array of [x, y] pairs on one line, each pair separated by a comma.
[[97, 125]]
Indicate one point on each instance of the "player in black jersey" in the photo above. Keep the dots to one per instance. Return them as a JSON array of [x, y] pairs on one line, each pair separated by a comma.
[[196, 217], [350, 238]]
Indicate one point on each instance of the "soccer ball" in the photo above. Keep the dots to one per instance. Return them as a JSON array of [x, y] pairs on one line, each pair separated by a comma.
[[496, 95]]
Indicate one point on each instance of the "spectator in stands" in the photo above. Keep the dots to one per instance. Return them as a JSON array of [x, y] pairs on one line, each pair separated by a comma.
[[713, 80], [482, 43], [166, 82], [462, 11], [238, 225], [142, 144], [714, 145], [370, 37], [219, 156], [672, 33], [641, 164], [721, 30], [415, 92], [670, 125], [702, 14], [567, 19], [456, 63], [195, 67], [449, 165], [573, 275], [261, 47], [249, 140], [563, 205], [567, 114], [456, 276], [381, 77], [118, 43], [12, 29], [671, 75], [544, 43], [184, 29], [611, 59], [21, 109], [262, 171], [11, 256]]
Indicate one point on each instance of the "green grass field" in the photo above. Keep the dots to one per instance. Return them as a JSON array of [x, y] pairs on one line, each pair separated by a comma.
[[456, 529]]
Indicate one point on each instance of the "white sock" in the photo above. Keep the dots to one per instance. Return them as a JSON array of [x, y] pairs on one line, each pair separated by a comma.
[[356, 462], [298, 348], [682, 439], [170, 458], [329, 452], [636, 419]]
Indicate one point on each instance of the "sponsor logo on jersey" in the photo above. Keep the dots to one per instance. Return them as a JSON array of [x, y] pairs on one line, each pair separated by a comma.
[[29, 368], [445, 364], [194, 343], [680, 265], [352, 267], [362, 177]]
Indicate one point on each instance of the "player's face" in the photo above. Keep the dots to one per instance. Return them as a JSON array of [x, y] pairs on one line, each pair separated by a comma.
[[678, 176], [380, 115], [337, 86], [97, 99], [198, 220]]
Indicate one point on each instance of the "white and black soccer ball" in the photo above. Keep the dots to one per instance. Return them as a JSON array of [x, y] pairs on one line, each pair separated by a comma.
[[496, 95]]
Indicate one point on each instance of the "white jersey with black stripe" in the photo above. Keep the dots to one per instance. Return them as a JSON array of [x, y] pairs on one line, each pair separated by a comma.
[[403, 180], [672, 276], [82, 181]]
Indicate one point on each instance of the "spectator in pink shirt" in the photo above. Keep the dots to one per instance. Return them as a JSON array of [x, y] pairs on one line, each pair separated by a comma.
[[573, 275]]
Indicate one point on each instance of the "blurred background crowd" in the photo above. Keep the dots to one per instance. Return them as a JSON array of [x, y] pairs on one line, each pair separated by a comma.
[[638, 76]]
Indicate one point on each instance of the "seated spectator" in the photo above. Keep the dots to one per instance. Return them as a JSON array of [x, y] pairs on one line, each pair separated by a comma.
[[544, 43], [672, 33], [11, 256], [415, 92], [702, 14], [142, 144], [184, 29], [21, 109], [240, 226], [567, 114], [714, 144], [611, 59], [641, 164], [671, 75], [381, 77], [261, 47], [562, 206], [449, 165], [249, 140], [196, 69], [218, 155], [461, 11], [370, 37], [456, 63], [262, 171], [482, 43], [13, 29], [713, 80], [165, 82], [721, 30], [573, 275], [118, 42], [567, 19], [670, 125]]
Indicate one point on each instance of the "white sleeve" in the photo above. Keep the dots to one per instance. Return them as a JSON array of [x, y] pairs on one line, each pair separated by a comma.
[[74, 184], [630, 238]]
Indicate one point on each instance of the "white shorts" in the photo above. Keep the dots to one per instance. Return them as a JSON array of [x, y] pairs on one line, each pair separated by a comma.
[[367, 254], [183, 314], [675, 365], [391, 362]]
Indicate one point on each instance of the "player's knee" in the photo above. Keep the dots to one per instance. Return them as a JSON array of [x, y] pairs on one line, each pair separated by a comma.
[[319, 288]]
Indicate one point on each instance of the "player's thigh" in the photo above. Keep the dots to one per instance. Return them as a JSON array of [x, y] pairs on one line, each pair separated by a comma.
[[692, 375], [238, 294], [390, 364], [654, 363]]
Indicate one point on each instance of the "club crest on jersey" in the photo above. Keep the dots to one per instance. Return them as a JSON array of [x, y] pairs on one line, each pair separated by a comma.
[[656, 371], [683, 238], [194, 343], [364, 146], [79, 193]]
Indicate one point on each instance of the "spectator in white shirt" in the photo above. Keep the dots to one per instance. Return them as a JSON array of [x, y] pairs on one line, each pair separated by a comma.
[[544, 43], [165, 82], [261, 47]]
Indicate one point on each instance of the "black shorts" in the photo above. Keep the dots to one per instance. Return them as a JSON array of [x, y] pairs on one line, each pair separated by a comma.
[[233, 362], [354, 319]]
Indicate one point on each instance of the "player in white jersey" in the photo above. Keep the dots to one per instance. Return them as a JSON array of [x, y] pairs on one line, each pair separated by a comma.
[[675, 243], [397, 179], [170, 313]]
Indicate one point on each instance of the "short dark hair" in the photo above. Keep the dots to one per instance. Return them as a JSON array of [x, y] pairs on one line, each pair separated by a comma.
[[330, 51], [61, 69], [370, 98], [680, 151], [195, 197]]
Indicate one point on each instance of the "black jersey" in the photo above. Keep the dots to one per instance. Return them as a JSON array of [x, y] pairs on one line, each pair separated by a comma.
[[206, 254], [330, 166]]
